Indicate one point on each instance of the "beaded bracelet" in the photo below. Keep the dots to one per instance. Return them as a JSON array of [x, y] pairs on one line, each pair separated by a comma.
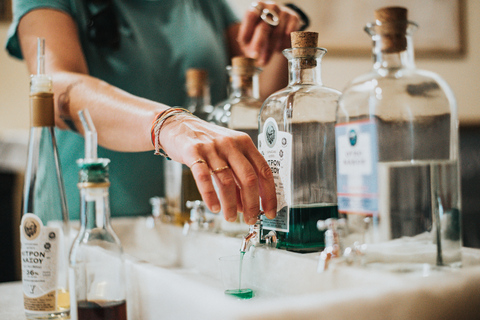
[[157, 126]]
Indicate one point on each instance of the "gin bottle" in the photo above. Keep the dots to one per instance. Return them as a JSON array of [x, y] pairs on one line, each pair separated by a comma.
[[397, 155], [297, 138], [44, 229], [180, 186], [240, 110]]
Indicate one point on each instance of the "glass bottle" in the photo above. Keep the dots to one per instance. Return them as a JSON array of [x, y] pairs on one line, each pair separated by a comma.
[[97, 269], [240, 110], [180, 186], [297, 138], [397, 153], [198, 92], [44, 230]]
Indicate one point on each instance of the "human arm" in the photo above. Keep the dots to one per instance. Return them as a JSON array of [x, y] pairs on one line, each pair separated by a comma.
[[123, 121]]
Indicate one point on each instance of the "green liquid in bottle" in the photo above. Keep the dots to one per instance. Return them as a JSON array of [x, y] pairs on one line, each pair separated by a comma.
[[303, 235]]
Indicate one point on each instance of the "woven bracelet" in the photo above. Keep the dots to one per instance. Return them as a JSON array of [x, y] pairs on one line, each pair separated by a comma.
[[157, 126]]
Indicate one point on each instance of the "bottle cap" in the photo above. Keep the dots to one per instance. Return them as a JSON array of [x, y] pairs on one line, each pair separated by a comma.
[[195, 82], [392, 26]]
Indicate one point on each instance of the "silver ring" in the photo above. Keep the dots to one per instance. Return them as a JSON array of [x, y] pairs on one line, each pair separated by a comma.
[[270, 17]]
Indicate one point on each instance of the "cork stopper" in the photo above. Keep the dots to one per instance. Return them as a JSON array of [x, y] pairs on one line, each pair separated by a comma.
[[305, 45], [392, 25], [243, 66], [243, 62], [196, 79], [304, 39]]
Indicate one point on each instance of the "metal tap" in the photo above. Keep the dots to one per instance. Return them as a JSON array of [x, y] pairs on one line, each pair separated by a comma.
[[199, 219], [334, 246], [254, 236], [159, 212]]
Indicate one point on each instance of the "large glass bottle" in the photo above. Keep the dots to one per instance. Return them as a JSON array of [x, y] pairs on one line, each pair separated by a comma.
[[297, 138], [180, 186], [44, 230], [397, 154], [97, 270], [240, 110]]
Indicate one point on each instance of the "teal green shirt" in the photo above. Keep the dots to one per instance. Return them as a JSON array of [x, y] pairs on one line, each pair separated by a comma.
[[159, 41]]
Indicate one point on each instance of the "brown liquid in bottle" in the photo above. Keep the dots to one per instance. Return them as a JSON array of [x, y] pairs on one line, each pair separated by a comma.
[[102, 310]]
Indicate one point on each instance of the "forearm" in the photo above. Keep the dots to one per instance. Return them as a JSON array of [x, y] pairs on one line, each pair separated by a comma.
[[122, 120]]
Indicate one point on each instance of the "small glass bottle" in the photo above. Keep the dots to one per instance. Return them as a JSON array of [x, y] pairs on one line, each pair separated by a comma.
[[198, 92], [97, 269], [44, 230], [240, 112], [397, 153], [241, 109], [297, 138], [180, 186]]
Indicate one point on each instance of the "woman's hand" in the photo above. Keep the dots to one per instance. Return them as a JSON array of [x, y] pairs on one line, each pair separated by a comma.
[[240, 171], [258, 39]]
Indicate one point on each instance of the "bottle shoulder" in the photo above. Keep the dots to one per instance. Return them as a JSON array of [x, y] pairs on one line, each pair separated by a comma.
[[401, 94]]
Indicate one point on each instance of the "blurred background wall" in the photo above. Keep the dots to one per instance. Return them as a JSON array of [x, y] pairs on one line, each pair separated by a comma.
[[455, 34]]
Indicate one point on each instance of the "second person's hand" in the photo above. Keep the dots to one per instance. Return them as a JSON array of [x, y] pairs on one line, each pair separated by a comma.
[[266, 29]]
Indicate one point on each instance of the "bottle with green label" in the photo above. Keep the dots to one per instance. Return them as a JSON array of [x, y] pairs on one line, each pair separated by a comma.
[[297, 138], [44, 229], [397, 155]]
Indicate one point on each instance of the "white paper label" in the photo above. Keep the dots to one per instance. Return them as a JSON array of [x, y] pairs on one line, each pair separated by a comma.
[[39, 253], [356, 149], [276, 148]]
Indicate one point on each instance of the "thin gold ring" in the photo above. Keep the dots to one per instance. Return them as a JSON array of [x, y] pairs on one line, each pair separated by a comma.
[[219, 169], [197, 161]]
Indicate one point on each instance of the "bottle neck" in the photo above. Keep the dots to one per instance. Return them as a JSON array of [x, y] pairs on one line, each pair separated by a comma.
[[304, 65], [95, 208], [243, 83], [392, 49]]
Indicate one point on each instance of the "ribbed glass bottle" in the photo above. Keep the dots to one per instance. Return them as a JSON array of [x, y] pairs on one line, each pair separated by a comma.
[[44, 230], [297, 138], [97, 268], [397, 155]]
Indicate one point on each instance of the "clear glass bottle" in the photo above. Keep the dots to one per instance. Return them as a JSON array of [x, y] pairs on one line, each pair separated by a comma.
[[97, 268], [297, 138], [240, 112], [241, 109], [44, 230], [198, 92], [180, 186], [397, 153]]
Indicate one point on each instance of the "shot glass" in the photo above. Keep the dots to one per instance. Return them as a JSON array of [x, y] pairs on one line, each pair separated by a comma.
[[237, 273]]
